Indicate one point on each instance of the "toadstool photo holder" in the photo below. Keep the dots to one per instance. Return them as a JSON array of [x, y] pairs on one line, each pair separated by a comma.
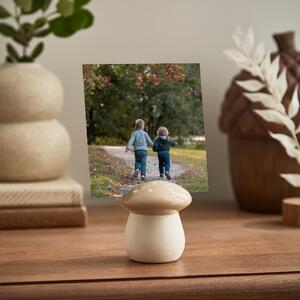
[[154, 232]]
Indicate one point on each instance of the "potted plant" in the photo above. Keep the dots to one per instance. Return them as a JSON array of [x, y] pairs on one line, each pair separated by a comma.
[[34, 145], [263, 103]]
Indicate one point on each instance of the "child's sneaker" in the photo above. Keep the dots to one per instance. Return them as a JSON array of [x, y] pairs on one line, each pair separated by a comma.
[[136, 173], [168, 175], [143, 177], [161, 175]]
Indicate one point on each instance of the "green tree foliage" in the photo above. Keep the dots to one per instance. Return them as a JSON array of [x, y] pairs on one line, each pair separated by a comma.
[[161, 94]]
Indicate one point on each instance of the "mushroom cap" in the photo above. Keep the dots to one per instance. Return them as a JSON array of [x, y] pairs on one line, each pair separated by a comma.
[[156, 198]]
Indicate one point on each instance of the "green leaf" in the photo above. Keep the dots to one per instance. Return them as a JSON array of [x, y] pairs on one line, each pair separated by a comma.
[[26, 5], [35, 5], [82, 2], [79, 3], [64, 27], [89, 18], [65, 7], [77, 21], [21, 39], [4, 13], [81, 19], [42, 33], [37, 50], [61, 27], [40, 22], [27, 28], [7, 30], [46, 5], [25, 59], [26, 32], [9, 59], [12, 51]]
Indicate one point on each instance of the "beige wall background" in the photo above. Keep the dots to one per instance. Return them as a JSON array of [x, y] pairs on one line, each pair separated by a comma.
[[157, 31]]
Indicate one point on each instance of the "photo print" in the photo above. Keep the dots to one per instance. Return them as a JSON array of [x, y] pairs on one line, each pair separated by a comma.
[[144, 122]]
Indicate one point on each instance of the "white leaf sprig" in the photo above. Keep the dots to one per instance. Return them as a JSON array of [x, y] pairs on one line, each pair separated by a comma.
[[251, 85], [292, 179], [294, 104], [258, 62]]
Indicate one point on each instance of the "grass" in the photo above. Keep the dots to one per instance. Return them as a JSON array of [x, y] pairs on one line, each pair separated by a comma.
[[195, 162], [107, 173]]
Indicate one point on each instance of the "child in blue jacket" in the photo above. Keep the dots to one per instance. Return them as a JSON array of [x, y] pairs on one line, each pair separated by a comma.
[[162, 146], [139, 140]]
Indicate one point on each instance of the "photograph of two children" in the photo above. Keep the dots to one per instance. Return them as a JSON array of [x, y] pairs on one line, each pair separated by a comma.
[[144, 122]]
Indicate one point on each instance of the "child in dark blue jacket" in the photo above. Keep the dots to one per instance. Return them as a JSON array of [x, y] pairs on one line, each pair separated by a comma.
[[162, 146]]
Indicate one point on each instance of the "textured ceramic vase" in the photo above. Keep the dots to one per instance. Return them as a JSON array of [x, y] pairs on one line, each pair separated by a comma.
[[34, 146], [154, 239]]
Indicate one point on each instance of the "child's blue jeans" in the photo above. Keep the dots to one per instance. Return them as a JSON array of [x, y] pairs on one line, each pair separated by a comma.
[[164, 161], [140, 161]]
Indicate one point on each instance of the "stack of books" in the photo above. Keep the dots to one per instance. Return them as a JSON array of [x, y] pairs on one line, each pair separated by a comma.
[[54, 203]]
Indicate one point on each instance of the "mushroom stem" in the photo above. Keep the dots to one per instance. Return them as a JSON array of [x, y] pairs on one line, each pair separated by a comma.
[[154, 238]]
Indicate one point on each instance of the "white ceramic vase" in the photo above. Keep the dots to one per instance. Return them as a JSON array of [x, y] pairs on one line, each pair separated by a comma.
[[154, 238], [34, 146]]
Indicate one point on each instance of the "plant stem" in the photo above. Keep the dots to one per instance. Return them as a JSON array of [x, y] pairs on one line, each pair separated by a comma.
[[17, 16], [24, 51], [50, 14]]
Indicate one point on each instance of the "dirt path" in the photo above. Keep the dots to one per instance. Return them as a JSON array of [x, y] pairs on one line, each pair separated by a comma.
[[152, 166]]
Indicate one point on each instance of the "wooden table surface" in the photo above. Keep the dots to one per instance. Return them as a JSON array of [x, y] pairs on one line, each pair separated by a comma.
[[229, 254]]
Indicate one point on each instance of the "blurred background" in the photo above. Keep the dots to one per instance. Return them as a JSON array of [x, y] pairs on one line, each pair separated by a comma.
[[170, 31]]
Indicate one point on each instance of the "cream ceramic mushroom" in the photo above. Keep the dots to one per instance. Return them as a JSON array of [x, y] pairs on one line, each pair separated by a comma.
[[154, 232]]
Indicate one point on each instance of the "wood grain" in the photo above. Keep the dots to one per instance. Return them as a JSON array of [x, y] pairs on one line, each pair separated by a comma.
[[271, 287], [256, 181], [42, 217], [221, 241], [291, 212]]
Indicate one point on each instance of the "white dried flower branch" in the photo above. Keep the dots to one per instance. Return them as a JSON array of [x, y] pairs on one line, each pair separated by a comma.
[[257, 61]]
